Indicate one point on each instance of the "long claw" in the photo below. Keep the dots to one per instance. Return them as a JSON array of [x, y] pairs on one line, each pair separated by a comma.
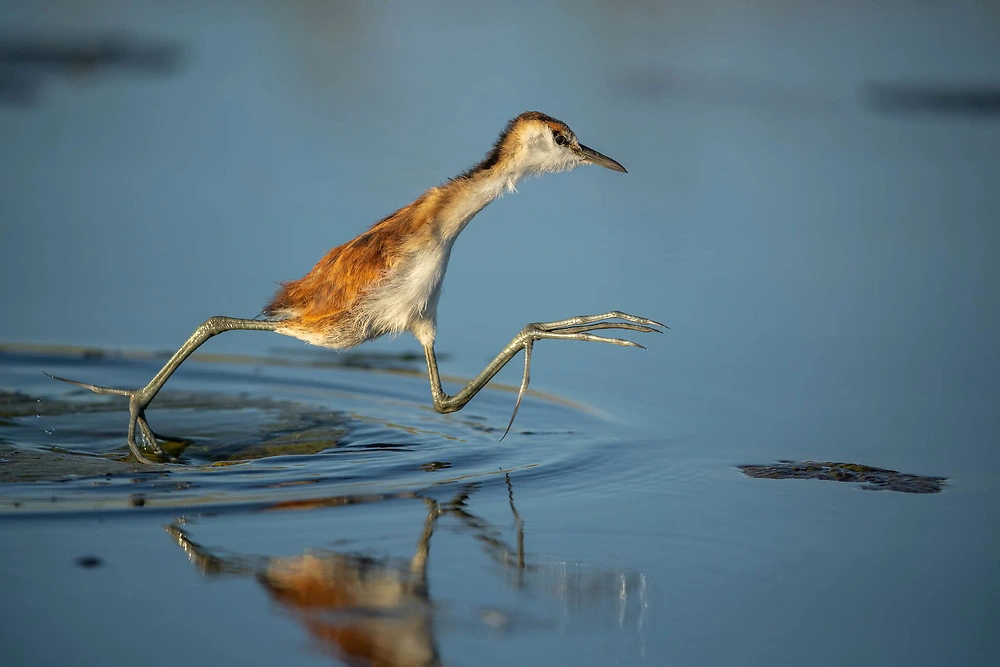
[[605, 325], [654, 323], [639, 320], [612, 341], [591, 338], [588, 319], [573, 332], [97, 389], [524, 387]]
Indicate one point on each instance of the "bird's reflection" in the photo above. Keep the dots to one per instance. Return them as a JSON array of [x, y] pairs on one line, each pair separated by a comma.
[[364, 610], [378, 611]]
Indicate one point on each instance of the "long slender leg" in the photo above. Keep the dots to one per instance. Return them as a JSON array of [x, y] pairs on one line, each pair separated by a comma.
[[574, 328], [138, 399]]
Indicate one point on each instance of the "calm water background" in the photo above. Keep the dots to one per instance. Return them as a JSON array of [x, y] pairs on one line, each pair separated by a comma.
[[827, 266]]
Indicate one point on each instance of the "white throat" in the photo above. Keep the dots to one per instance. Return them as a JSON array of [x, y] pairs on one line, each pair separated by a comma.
[[473, 196]]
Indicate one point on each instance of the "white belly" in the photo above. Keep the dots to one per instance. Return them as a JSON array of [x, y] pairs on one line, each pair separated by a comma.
[[408, 299]]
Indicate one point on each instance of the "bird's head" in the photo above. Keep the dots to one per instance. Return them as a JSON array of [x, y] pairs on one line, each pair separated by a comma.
[[535, 143]]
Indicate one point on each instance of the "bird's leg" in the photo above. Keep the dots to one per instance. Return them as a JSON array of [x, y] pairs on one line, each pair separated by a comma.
[[574, 328], [138, 399]]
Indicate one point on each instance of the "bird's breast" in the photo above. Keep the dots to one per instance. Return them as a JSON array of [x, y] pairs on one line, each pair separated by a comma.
[[410, 292]]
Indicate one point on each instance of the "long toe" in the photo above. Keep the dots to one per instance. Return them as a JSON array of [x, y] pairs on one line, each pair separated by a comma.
[[97, 389], [607, 325], [590, 338], [639, 320], [592, 319]]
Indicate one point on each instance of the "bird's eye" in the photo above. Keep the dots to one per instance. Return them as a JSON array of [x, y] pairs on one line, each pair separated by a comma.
[[559, 139]]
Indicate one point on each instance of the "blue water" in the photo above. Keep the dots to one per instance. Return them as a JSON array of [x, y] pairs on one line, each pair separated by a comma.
[[826, 266]]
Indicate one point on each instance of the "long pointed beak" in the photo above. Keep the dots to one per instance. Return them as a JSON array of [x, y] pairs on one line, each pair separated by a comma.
[[593, 157]]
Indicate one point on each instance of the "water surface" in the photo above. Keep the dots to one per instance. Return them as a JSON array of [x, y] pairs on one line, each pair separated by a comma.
[[825, 260]]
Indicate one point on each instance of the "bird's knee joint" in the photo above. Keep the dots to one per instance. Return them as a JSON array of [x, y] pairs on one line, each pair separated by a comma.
[[213, 325]]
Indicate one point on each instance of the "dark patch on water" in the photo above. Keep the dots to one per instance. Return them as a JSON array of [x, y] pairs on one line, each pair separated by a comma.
[[870, 477], [89, 562]]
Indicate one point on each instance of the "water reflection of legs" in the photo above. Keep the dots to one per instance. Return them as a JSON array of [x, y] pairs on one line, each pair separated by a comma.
[[377, 610], [364, 610]]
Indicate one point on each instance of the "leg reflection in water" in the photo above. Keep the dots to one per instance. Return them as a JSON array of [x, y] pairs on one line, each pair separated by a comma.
[[363, 610], [378, 611]]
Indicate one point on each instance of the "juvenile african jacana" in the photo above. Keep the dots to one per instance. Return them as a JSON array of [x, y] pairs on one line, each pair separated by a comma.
[[388, 280]]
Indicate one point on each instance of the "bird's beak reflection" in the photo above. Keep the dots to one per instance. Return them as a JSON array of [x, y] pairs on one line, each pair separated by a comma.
[[593, 157]]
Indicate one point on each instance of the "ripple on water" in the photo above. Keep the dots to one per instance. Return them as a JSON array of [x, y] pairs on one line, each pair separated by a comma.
[[254, 432]]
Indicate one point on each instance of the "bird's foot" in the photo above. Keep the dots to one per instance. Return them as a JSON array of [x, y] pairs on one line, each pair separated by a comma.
[[579, 328], [138, 399]]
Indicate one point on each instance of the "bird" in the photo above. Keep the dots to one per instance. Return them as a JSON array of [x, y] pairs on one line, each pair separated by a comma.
[[388, 279]]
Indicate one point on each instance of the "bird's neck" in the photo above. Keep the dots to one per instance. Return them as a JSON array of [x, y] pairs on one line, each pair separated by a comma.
[[464, 197]]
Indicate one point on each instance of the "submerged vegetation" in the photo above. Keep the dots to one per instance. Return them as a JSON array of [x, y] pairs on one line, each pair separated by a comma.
[[870, 477]]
